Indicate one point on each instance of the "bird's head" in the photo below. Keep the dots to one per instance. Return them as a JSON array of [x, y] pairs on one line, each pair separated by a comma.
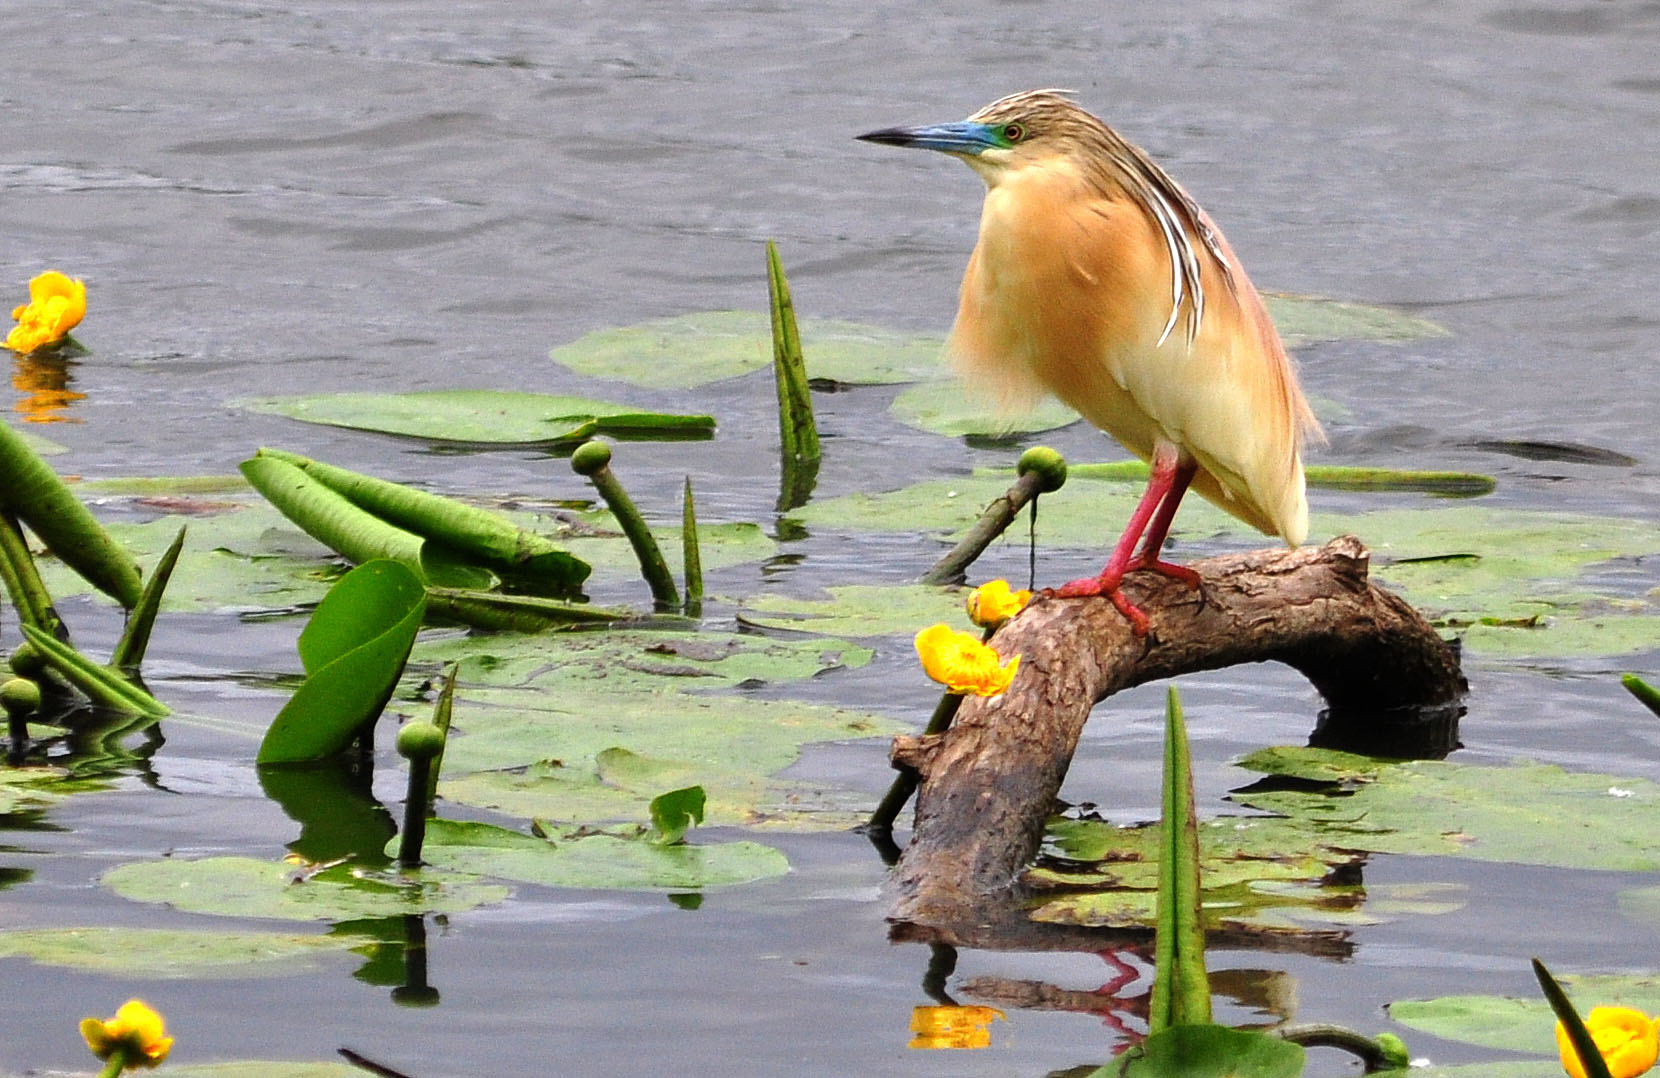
[[1018, 131]]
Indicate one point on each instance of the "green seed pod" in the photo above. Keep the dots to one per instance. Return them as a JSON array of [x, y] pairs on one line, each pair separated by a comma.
[[20, 696], [1048, 464], [420, 741], [590, 458], [27, 661]]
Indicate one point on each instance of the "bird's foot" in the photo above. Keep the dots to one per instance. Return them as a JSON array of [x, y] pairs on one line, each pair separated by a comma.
[[1187, 576], [1108, 586]]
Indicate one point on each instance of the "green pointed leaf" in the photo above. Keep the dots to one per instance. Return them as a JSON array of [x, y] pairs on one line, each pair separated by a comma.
[[696, 349], [574, 858], [245, 887], [1209, 1051], [353, 650], [167, 954], [483, 416]]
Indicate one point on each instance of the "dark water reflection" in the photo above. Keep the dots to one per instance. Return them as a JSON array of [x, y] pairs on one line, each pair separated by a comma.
[[266, 198]]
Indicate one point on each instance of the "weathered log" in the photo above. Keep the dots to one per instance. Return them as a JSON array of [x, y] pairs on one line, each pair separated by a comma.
[[989, 783]]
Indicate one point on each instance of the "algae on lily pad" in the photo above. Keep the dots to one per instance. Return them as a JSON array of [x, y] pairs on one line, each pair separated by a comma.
[[165, 953], [1303, 320], [858, 610], [708, 346], [576, 857], [484, 416], [247, 887], [640, 660]]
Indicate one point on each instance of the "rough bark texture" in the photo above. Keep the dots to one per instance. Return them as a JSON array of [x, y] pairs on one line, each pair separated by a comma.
[[989, 783]]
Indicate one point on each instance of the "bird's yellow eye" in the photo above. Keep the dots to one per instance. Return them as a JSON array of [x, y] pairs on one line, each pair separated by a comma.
[[1014, 132]]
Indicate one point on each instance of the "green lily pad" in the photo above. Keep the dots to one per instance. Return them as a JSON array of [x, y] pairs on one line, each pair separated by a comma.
[[1526, 813], [696, 349], [859, 610], [28, 789], [245, 887], [483, 416], [172, 953], [1523, 1024], [640, 660], [943, 407], [353, 649], [1303, 320], [575, 858], [720, 546]]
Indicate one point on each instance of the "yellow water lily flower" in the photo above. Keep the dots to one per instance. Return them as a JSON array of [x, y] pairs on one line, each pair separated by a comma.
[[952, 1027], [136, 1032], [56, 305], [992, 603], [1629, 1041], [961, 663]]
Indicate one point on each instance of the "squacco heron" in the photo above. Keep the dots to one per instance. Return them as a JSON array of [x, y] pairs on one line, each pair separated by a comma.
[[1098, 279]]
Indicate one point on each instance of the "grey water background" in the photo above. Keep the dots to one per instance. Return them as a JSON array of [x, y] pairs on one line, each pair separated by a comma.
[[270, 198]]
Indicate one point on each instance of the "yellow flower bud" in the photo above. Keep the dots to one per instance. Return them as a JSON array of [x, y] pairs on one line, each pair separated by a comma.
[[1629, 1041], [56, 305], [992, 603], [963, 664], [952, 1027], [136, 1030]]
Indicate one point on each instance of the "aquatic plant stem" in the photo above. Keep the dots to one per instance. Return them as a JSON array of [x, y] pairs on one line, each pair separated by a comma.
[[593, 460], [421, 743], [116, 1063], [1041, 471]]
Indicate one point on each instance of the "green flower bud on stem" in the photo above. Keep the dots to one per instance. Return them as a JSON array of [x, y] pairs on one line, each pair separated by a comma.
[[419, 743], [593, 459]]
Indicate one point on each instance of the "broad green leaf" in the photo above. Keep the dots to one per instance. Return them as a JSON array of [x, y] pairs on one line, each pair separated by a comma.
[[353, 650], [164, 954], [483, 416], [859, 610], [946, 407], [1523, 1024], [675, 813], [576, 858], [1209, 1051], [246, 887], [640, 660], [1303, 320], [696, 349]]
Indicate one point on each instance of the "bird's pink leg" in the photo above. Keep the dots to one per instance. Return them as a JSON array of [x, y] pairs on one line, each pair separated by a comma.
[[1148, 525]]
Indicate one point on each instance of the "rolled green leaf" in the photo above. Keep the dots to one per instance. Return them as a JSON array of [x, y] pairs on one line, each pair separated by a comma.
[[690, 553], [798, 432], [129, 650], [517, 613], [100, 684], [1642, 690], [1590, 1056], [1181, 987], [32, 491], [22, 579], [470, 530]]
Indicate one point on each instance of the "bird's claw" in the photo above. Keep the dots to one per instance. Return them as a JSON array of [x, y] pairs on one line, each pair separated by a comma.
[[1108, 587]]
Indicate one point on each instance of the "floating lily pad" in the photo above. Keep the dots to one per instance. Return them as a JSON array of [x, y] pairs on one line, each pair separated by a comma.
[[574, 858], [695, 349], [26, 789], [1303, 320], [245, 887], [483, 416], [630, 660], [859, 610], [946, 408], [1523, 1024], [721, 546], [172, 953], [1527, 813]]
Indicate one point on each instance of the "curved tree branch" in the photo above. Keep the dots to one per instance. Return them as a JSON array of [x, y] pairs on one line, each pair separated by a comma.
[[990, 781]]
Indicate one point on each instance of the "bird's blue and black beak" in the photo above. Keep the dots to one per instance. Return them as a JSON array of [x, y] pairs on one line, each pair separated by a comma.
[[964, 138]]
